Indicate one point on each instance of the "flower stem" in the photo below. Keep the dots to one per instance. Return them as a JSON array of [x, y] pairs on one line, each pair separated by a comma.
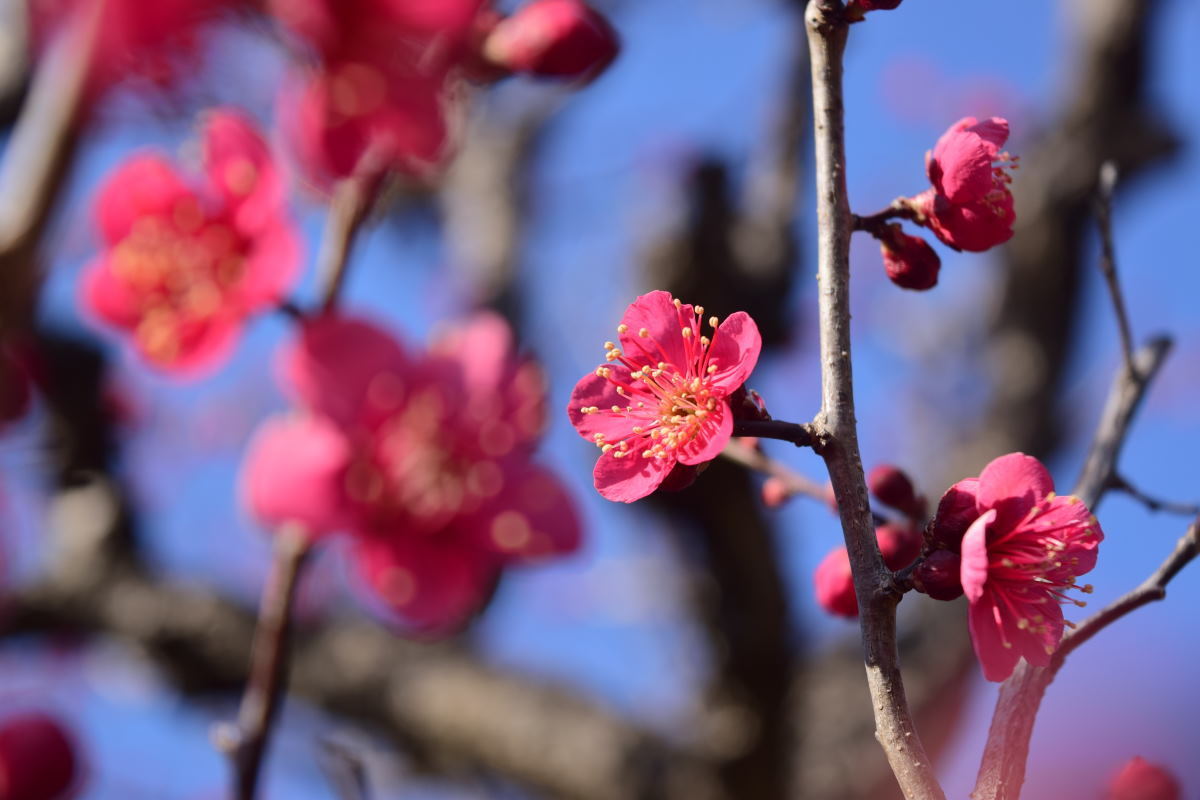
[[352, 201], [246, 743], [827, 34]]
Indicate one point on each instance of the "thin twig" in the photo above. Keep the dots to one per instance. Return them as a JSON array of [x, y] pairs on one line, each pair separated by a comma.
[[1124, 398], [246, 743], [1120, 484], [1108, 258], [800, 435], [827, 34], [875, 223], [352, 199], [344, 769], [794, 482]]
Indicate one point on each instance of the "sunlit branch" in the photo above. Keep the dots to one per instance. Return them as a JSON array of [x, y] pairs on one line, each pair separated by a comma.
[[1108, 258]]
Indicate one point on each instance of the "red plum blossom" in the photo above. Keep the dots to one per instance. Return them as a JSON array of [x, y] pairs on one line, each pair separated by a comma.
[[663, 398], [184, 266], [1022, 547], [425, 459], [553, 38]]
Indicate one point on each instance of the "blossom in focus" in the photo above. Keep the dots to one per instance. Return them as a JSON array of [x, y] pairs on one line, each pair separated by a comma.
[[37, 758], [1140, 780], [382, 95], [184, 266], [424, 459], [133, 37], [1022, 547], [909, 260], [553, 38], [970, 206], [662, 398]]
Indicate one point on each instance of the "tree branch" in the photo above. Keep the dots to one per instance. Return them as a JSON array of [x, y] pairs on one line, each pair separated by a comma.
[[801, 435], [827, 34], [352, 200], [1106, 185]]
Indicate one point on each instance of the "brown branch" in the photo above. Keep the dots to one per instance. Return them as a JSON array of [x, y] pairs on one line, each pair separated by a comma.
[[1120, 484], [246, 743], [827, 34], [1106, 185], [351, 203], [758, 461], [801, 435]]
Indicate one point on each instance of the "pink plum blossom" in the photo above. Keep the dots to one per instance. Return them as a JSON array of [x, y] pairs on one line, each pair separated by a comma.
[[1138, 779], [663, 397], [970, 206], [1022, 547], [553, 38], [184, 266], [424, 459]]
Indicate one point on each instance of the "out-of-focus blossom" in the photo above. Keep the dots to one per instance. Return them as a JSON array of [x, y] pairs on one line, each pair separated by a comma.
[[1022, 547], [37, 758], [909, 260], [150, 39], [898, 543], [663, 397], [383, 91], [1140, 780], [183, 267], [892, 487], [855, 9], [426, 459], [970, 206], [16, 390], [553, 38], [775, 492]]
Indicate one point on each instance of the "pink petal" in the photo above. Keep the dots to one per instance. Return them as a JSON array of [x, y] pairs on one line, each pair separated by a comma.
[[961, 165], [834, 584], [656, 313], [240, 166], [955, 512], [145, 185], [711, 439], [203, 346], [294, 472], [534, 517], [630, 477], [107, 296], [271, 269], [347, 369], [431, 584], [1012, 484], [484, 349], [1035, 644], [988, 638], [974, 227], [735, 348], [974, 569], [594, 391]]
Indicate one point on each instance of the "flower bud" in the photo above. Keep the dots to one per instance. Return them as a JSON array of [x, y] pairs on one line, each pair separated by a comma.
[[938, 575], [909, 260], [892, 487], [1140, 780], [834, 584], [775, 492], [855, 9], [898, 544], [553, 38], [37, 758], [748, 404]]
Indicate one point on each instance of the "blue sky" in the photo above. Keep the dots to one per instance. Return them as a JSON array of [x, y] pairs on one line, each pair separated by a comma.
[[695, 76]]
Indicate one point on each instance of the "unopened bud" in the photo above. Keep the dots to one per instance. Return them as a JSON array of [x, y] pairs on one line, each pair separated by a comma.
[[856, 8], [835, 586], [1141, 780], [938, 575], [898, 544], [37, 759], [892, 487], [553, 38], [909, 260]]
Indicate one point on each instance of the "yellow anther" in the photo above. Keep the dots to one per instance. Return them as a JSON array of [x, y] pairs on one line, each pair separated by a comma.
[[713, 321], [643, 332], [622, 328], [687, 333]]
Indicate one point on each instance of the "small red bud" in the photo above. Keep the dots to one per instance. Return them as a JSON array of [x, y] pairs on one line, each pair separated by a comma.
[[856, 8], [909, 260], [553, 38], [898, 544], [775, 492], [892, 487], [834, 584], [938, 575], [37, 758], [1141, 780]]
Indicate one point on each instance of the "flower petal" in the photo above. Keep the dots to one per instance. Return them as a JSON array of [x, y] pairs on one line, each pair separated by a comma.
[[533, 518], [107, 296], [996, 654], [592, 391], [294, 472], [630, 477], [955, 512], [735, 348], [655, 312], [240, 166], [1012, 484], [711, 439], [145, 185], [974, 568], [270, 270]]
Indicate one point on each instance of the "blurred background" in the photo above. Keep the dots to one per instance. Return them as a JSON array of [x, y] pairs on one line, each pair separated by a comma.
[[680, 652]]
